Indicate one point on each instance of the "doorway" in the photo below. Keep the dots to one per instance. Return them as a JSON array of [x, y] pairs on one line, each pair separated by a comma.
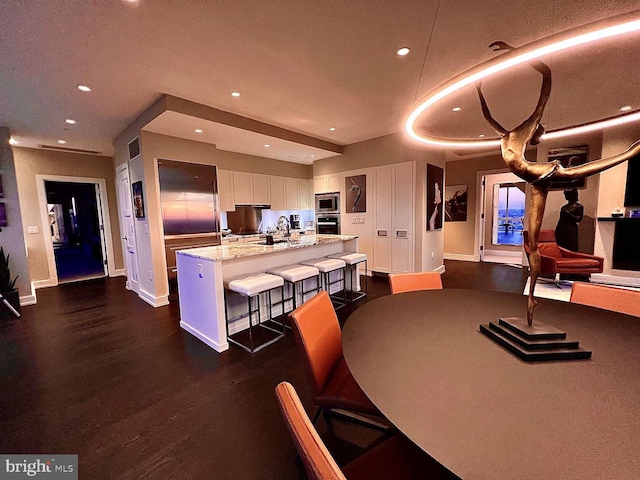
[[503, 218], [76, 230]]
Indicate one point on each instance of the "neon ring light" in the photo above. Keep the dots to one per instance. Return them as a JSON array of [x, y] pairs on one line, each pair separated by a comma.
[[593, 32]]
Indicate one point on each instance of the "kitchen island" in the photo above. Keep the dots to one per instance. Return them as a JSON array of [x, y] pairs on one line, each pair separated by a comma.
[[202, 272]]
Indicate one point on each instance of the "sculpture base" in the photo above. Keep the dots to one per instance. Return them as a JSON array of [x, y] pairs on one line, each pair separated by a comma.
[[534, 343]]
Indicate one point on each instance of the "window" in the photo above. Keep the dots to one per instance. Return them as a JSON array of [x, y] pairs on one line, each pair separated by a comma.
[[508, 213]]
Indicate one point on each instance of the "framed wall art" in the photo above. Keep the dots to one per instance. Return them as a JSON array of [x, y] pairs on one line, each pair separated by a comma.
[[455, 203], [569, 157], [356, 188], [138, 199], [435, 177]]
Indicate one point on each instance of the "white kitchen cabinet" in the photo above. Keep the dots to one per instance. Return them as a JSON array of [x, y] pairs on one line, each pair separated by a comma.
[[277, 193], [326, 183], [261, 189], [394, 240], [292, 194], [243, 188], [225, 191], [305, 195]]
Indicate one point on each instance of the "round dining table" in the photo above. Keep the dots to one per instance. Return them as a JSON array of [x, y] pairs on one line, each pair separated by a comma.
[[481, 411]]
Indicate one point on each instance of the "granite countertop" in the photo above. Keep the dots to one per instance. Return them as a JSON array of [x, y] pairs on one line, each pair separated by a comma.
[[235, 250]]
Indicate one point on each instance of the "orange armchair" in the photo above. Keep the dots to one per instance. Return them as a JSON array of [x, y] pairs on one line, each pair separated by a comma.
[[555, 260]]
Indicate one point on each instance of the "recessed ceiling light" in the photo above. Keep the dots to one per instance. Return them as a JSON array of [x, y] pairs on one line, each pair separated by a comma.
[[62, 142], [625, 108], [312, 156], [70, 121], [12, 141], [456, 109], [235, 94], [481, 135], [333, 129], [84, 88], [266, 145], [197, 130], [403, 51]]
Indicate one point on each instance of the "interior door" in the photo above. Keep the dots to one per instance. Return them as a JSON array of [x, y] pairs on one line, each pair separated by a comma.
[[103, 240], [127, 226]]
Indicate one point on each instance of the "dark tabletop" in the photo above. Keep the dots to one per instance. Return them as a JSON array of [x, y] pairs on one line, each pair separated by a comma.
[[481, 411]]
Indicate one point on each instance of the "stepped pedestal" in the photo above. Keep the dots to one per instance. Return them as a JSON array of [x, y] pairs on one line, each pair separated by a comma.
[[533, 343]]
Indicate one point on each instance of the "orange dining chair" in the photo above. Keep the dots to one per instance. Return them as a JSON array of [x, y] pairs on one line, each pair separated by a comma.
[[413, 282], [396, 457], [318, 335], [620, 300]]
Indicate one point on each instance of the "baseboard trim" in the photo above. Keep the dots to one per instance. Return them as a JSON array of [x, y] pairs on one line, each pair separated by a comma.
[[49, 282], [440, 269], [218, 347], [152, 300], [459, 256], [615, 280], [117, 273], [28, 300]]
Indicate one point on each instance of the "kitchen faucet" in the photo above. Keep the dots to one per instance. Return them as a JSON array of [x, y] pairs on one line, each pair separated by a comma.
[[282, 222]]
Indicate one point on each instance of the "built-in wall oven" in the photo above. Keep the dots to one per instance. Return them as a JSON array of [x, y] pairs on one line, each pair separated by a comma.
[[328, 224]]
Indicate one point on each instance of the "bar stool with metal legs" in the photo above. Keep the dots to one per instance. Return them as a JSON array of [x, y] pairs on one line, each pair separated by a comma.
[[252, 287], [295, 275], [353, 260], [327, 266]]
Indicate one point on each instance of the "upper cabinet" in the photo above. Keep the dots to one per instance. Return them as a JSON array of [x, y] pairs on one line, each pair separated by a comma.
[[225, 190], [292, 193], [277, 193], [282, 193], [261, 189], [326, 183], [243, 188]]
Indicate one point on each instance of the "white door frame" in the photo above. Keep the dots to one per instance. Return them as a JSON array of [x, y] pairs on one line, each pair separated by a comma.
[[481, 209], [132, 283], [103, 206]]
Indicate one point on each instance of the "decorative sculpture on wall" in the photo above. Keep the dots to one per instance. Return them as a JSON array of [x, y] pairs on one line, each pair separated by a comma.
[[539, 175]]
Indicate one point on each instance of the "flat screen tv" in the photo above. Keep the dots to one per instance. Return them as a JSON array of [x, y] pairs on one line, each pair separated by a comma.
[[632, 192]]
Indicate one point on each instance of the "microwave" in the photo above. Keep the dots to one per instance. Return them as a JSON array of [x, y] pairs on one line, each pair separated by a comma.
[[328, 203]]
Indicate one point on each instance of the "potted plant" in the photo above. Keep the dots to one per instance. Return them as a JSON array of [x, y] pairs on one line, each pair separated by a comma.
[[10, 297]]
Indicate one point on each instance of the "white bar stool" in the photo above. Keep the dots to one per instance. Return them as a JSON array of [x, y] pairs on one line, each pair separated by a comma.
[[353, 260], [294, 275], [326, 266], [251, 287]]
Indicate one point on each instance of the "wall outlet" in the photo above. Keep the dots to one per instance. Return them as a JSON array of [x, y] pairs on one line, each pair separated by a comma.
[[146, 228], [433, 255], [32, 229], [354, 219], [150, 275], [200, 273]]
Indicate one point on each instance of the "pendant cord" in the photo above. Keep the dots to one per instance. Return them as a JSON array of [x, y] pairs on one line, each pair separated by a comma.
[[424, 60]]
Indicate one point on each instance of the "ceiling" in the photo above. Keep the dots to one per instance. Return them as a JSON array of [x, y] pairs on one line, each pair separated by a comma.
[[305, 66]]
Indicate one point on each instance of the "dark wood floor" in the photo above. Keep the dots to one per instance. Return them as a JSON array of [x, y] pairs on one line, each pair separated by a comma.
[[93, 370]]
